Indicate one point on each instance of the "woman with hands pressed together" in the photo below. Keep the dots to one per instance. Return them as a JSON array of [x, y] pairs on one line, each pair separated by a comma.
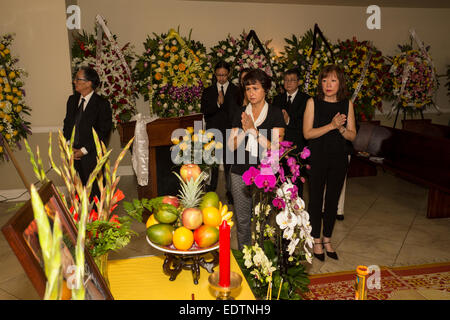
[[257, 128], [328, 123]]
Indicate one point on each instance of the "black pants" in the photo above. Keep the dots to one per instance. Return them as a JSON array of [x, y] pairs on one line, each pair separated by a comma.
[[84, 167], [215, 178], [329, 170]]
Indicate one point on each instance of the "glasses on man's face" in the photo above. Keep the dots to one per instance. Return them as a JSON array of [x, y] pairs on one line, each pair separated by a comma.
[[79, 79], [219, 75]]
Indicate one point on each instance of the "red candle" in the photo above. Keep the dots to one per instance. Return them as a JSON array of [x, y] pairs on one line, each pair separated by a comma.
[[224, 255]]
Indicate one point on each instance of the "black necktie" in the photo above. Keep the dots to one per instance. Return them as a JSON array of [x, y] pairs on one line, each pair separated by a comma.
[[221, 89], [289, 104], [77, 122]]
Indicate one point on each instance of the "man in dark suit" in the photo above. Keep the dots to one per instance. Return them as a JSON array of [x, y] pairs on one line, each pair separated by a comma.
[[293, 103], [87, 110], [218, 106]]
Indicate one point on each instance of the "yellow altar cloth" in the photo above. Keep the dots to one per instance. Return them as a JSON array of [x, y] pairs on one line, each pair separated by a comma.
[[142, 278]]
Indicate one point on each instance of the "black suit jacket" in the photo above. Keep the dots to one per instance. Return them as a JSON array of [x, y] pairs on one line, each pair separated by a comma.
[[215, 117], [97, 115], [294, 130]]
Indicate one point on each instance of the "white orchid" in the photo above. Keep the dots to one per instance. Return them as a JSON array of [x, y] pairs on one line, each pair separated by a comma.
[[285, 219], [288, 233], [292, 245]]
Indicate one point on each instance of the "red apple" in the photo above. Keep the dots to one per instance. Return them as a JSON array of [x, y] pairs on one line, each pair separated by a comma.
[[192, 218], [189, 171], [171, 200]]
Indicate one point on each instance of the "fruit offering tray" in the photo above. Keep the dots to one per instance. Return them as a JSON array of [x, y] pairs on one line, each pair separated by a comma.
[[192, 259], [193, 250]]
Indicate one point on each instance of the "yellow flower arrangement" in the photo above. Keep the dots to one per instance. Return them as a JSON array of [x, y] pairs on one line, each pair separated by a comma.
[[354, 55], [13, 127], [171, 74]]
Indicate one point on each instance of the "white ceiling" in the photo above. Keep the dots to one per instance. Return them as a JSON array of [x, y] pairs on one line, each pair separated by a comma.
[[356, 3]]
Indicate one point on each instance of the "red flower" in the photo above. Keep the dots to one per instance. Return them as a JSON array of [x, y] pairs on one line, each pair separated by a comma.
[[118, 195], [93, 216], [114, 219]]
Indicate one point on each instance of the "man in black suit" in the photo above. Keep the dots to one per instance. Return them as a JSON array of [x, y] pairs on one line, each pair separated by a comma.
[[293, 103], [87, 110], [218, 106]]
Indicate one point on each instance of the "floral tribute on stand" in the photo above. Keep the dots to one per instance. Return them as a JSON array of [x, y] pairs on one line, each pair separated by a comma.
[[414, 81], [13, 126], [366, 71], [171, 74], [116, 84], [281, 233], [310, 54], [247, 51]]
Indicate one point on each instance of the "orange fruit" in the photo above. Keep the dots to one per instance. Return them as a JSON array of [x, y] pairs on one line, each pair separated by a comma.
[[211, 216], [183, 238], [151, 221]]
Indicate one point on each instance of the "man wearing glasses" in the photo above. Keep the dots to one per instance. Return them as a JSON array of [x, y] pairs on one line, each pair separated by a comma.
[[293, 103], [218, 106], [86, 110]]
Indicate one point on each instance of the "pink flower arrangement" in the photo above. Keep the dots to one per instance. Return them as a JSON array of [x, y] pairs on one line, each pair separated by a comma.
[[266, 176], [276, 193]]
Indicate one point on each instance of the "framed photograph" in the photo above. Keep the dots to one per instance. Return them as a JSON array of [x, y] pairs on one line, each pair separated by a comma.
[[22, 235]]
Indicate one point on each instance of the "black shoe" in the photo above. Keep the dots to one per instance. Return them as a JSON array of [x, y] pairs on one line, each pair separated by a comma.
[[333, 254], [340, 217], [320, 256]]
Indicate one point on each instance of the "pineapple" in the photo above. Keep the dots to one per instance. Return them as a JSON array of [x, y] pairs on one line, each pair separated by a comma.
[[191, 191]]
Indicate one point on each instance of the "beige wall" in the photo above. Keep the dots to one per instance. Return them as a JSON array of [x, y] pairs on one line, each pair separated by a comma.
[[42, 43]]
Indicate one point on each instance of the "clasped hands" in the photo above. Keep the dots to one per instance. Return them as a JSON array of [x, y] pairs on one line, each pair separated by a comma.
[[77, 154], [338, 121], [247, 123]]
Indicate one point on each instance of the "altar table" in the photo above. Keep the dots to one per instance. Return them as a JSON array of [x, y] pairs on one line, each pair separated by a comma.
[[142, 278]]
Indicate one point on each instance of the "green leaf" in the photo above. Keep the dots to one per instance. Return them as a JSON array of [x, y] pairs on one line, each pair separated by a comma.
[[269, 249]]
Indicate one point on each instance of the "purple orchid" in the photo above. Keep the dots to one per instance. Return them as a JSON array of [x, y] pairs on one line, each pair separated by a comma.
[[266, 181], [295, 172], [286, 144], [278, 203], [305, 153], [250, 175], [291, 161], [282, 176], [293, 191]]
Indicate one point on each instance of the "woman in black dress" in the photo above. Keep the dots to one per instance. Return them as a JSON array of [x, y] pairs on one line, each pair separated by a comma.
[[253, 131], [328, 123]]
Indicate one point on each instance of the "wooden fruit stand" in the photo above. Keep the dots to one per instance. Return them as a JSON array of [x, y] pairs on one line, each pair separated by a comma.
[[159, 134]]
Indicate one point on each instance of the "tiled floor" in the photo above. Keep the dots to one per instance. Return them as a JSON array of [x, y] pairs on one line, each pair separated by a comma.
[[385, 224]]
